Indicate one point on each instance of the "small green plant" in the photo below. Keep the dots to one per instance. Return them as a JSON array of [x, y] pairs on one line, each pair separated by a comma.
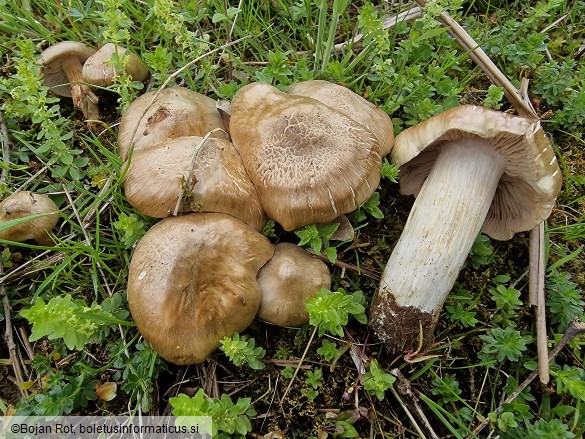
[[564, 300], [447, 387], [507, 300], [68, 319], [504, 343], [494, 97], [369, 207], [317, 236], [389, 171], [131, 227], [329, 311], [376, 381], [459, 314], [328, 350], [242, 350], [136, 369], [287, 372], [228, 418], [504, 421], [482, 252], [313, 381]]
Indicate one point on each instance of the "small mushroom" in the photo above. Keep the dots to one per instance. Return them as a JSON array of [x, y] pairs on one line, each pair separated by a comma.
[[471, 168], [176, 112], [208, 177], [352, 105], [308, 162], [192, 281], [62, 67], [98, 71], [23, 204], [290, 278]]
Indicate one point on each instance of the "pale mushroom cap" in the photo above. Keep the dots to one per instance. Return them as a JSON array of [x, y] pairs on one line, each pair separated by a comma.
[[98, 71], [308, 162], [219, 182], [192, 281], [353, 106], [52, 60], [286, 282], [176, 112], [531, 181], [23, 204]]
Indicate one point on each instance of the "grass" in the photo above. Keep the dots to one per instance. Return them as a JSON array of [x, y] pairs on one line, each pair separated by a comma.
[[71, 297]]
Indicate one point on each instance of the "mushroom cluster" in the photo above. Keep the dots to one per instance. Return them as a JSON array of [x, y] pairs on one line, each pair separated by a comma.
[[471, 169], [303, 157], [70, 67]]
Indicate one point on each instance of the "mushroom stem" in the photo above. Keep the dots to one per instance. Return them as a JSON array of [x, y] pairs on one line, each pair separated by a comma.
[[83, 97], [445, 220]]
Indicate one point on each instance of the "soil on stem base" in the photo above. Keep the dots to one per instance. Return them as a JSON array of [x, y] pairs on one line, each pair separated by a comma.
[[401, 327]]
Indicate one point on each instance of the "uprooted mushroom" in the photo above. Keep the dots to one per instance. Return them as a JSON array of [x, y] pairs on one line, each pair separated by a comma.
[[469, 168]]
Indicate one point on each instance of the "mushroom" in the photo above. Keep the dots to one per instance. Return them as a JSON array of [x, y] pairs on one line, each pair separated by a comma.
[[353, 106], [308, 162], [290, 278], [176, 112], [62, 73], [208, 177], [471, 168], [98, 71], [192, 281], [22, 205]]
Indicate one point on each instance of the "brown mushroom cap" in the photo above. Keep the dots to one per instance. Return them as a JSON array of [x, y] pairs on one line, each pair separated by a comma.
[[176, 112], [23, 204], [218, 183], [290, 278], [308, 162], [98, 71], [192, 281], [353, 106], [531, 181], [52, 60]]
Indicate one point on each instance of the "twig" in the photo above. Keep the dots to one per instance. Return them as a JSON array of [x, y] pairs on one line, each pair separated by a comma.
[[9, 337], [299, 365], [405, 389], [358, 270], [5, 143], [575, 328], [192, 169], [541, 336]]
